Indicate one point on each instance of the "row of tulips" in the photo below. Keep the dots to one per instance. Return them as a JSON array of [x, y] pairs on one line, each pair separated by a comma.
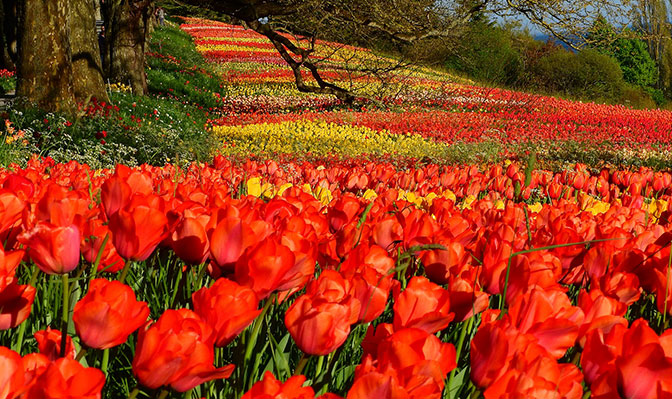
[[260, 91], [237, 288]]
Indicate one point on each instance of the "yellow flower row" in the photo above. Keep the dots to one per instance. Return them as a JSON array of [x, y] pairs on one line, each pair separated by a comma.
[[324, 139], [203, 48]]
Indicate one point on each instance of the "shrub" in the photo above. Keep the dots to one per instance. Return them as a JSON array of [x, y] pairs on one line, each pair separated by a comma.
[[488, 55], [636, 97], [587, 74]]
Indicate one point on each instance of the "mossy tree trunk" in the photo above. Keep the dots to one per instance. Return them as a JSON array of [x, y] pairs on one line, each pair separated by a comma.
[[44, 67], [127, 23], [7, 35], [58, 60], [87, 67]]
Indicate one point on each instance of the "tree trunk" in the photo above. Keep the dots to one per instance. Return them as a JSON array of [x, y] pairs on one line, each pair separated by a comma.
[[126, 27], [86, 64], [44, 67], [7, 34]]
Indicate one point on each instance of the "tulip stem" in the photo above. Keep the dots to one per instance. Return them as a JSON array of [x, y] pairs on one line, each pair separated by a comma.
[[255, 330], [134, 393], [66, 313], [22, 328], [124, 272], [105, 361], [80, 354], [252, 341], [99, 256], [318, 367], [466, 325], [302, 364], [667, 281]]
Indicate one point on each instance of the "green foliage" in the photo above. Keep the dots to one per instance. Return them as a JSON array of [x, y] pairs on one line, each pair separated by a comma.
[[150, 130], [636, 97], [169, 124], [631, 53], [174, 8], [587, 74], [635, 62], [488, 55], [656, 95], [7, 84], [177, 70], [13, 145]]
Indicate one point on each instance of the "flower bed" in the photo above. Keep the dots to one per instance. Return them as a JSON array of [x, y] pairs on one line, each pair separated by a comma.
[[336, 279]]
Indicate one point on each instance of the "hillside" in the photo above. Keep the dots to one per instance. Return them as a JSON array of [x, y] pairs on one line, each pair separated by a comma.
[[429, 115]]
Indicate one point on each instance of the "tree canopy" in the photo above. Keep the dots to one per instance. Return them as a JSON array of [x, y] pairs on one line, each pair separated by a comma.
[[294, 26]]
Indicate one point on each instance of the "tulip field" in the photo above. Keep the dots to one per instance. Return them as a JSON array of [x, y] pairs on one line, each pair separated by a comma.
[[330, 251]]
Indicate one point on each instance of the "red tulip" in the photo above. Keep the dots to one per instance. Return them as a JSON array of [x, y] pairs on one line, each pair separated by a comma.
[[319, 321], [550, 317], [229, 239], [422, 305], [11, 208], [108, 314], [267, 267], [94, 233], [15, 300], [270, 388], [226, 307], [49, 344], [138, 228], [377, 385], [177, 350], [67, 378], [12, 381], [417, 361], [634, 362], [190, 241], [114, 194], [54, 249], [441, 264]]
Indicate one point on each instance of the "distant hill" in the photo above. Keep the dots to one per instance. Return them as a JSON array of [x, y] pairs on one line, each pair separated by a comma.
[[546, 37]]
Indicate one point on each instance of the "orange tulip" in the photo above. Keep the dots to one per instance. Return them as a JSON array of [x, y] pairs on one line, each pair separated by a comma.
[[177, 350], [54, 249], [108, 314], [227, 307]]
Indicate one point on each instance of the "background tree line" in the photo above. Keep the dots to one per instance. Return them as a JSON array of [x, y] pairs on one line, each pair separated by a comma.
[[56, 51], [632, 65]]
